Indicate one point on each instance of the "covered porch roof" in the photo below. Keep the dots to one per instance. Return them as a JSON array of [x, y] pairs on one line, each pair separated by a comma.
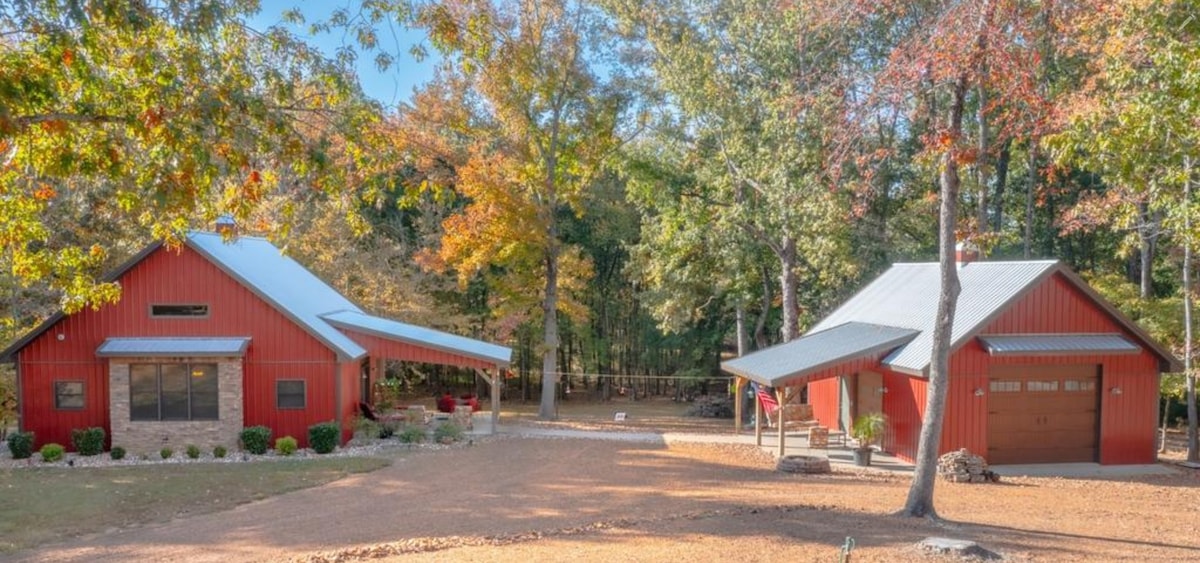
[[401, 341], [791, 362]]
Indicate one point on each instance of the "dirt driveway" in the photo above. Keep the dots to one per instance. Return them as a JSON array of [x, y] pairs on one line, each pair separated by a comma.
[[540, 499]]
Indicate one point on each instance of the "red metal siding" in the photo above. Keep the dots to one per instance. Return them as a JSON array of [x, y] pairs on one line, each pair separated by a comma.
[[904, 406], [279, 348], [824, 396], [349, 380], [394, 350], [1127, 420]]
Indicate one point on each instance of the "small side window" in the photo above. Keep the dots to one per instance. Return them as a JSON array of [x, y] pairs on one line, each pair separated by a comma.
[[68, 395], [289, 394], [1042, 386], [1005, 386], [179, 310]]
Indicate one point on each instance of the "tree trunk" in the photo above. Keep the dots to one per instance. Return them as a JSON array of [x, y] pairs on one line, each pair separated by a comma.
[[1001, 184], [760, 326], [981, 162], [1029, 195], [788, 285], [1162, 443], [1193, 453], [1146, 236], [546, 410], [920, 493], [743, 335]]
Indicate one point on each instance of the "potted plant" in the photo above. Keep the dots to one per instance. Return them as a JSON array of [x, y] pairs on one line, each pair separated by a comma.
[[867, 430]]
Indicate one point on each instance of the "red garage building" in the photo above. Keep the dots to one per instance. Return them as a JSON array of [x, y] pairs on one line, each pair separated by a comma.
[[210, 338], [1042, 368]]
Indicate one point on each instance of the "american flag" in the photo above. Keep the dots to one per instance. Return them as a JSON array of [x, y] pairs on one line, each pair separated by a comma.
[[766, 396]]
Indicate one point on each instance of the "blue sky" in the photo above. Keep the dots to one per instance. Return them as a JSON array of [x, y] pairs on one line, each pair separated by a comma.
[[390, 87]]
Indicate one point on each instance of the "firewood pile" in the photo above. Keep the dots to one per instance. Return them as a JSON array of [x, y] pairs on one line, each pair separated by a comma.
[[963, 466], [712, 406]]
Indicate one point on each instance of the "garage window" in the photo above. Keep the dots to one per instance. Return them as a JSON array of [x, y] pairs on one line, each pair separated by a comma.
[[289, 394], [1005, 386], [1079, 385], [1042, 385]]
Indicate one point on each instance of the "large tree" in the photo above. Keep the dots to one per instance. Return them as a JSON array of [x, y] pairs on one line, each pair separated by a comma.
[[159, 114], [759, 99], [534, 124]]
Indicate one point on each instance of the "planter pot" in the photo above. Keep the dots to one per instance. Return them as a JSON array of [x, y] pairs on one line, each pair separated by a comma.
[[862, 457]]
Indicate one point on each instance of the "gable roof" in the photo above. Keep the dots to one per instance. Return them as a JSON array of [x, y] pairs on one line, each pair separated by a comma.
[[815, 351], [906, 296], [281, 281], [299, 295]]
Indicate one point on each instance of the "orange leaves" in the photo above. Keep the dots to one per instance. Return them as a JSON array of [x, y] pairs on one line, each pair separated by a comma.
[[44, 192], [68, 56], [152, 117]]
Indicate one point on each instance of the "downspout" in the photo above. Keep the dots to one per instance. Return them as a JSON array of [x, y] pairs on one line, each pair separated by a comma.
[[337, 401]]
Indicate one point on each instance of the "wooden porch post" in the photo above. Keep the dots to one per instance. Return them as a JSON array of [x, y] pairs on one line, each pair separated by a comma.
[[781, 397], [739, 384], [758, 416], [494, 381]]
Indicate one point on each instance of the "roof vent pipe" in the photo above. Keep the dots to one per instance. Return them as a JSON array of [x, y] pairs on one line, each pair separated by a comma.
[[226, 226], [966, 252]]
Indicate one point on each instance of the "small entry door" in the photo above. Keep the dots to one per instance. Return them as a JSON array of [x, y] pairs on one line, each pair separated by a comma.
[[365, 382], [870, 399]]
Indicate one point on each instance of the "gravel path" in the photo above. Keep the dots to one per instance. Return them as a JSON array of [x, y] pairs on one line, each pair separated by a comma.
[[556, 498]]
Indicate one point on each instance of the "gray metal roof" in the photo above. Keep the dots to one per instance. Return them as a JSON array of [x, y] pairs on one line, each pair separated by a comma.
[[140, 347], [817, 350], [283, 282], [421, 336], [1056, 344], [907, 294]]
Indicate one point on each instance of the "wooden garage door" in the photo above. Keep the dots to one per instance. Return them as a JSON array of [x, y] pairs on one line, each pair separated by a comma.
[[1043, 414]]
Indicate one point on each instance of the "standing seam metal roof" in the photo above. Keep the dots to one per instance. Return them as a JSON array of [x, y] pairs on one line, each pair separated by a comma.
[[906, 296], [173, 346], [780, 364], [1056, 344], [421, 336]]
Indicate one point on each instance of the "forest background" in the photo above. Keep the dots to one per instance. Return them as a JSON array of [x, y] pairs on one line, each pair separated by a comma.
[[613, 187]]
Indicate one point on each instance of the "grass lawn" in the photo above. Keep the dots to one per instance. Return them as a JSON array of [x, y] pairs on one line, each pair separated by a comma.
[[46, 504]]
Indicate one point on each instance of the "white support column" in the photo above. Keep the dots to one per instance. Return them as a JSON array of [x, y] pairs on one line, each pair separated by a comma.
[[758, 418]]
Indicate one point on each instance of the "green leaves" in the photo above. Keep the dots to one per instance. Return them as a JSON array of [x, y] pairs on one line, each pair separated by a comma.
[[176, 110]]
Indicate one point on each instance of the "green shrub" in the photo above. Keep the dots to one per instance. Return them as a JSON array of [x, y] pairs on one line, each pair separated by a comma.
[[366, 428], [447, 433], [412, 435], [166, 453], [88, 441], [193, 451], [286, 445], [117, 452], [219, 452], [256, 439], [324, 437], [20, 444], [388, 428], [52, 453]]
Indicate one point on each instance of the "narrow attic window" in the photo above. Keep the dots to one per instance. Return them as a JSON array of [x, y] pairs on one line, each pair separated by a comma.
[[175, 310]]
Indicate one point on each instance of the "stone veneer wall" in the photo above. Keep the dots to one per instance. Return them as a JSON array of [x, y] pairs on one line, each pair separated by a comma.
[[148, 437]]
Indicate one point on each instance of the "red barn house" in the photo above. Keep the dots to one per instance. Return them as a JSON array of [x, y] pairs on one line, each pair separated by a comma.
[[1042, 369], [214, 337]]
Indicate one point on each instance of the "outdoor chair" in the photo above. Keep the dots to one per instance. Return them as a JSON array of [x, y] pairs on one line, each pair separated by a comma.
[[369, 413]]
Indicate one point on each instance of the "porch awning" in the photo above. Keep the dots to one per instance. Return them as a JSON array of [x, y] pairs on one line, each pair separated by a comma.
[[420, 336], [173, 347], [791, 361], [1056, 344]]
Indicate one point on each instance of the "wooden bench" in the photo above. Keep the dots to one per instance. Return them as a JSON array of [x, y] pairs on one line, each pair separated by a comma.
[[798, 417]]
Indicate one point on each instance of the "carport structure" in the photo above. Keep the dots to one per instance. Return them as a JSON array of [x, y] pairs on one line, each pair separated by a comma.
[[1042, 368], [822, 355], [386, 339]]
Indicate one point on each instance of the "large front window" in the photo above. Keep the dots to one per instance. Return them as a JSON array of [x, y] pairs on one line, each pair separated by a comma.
[[173, 391]]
